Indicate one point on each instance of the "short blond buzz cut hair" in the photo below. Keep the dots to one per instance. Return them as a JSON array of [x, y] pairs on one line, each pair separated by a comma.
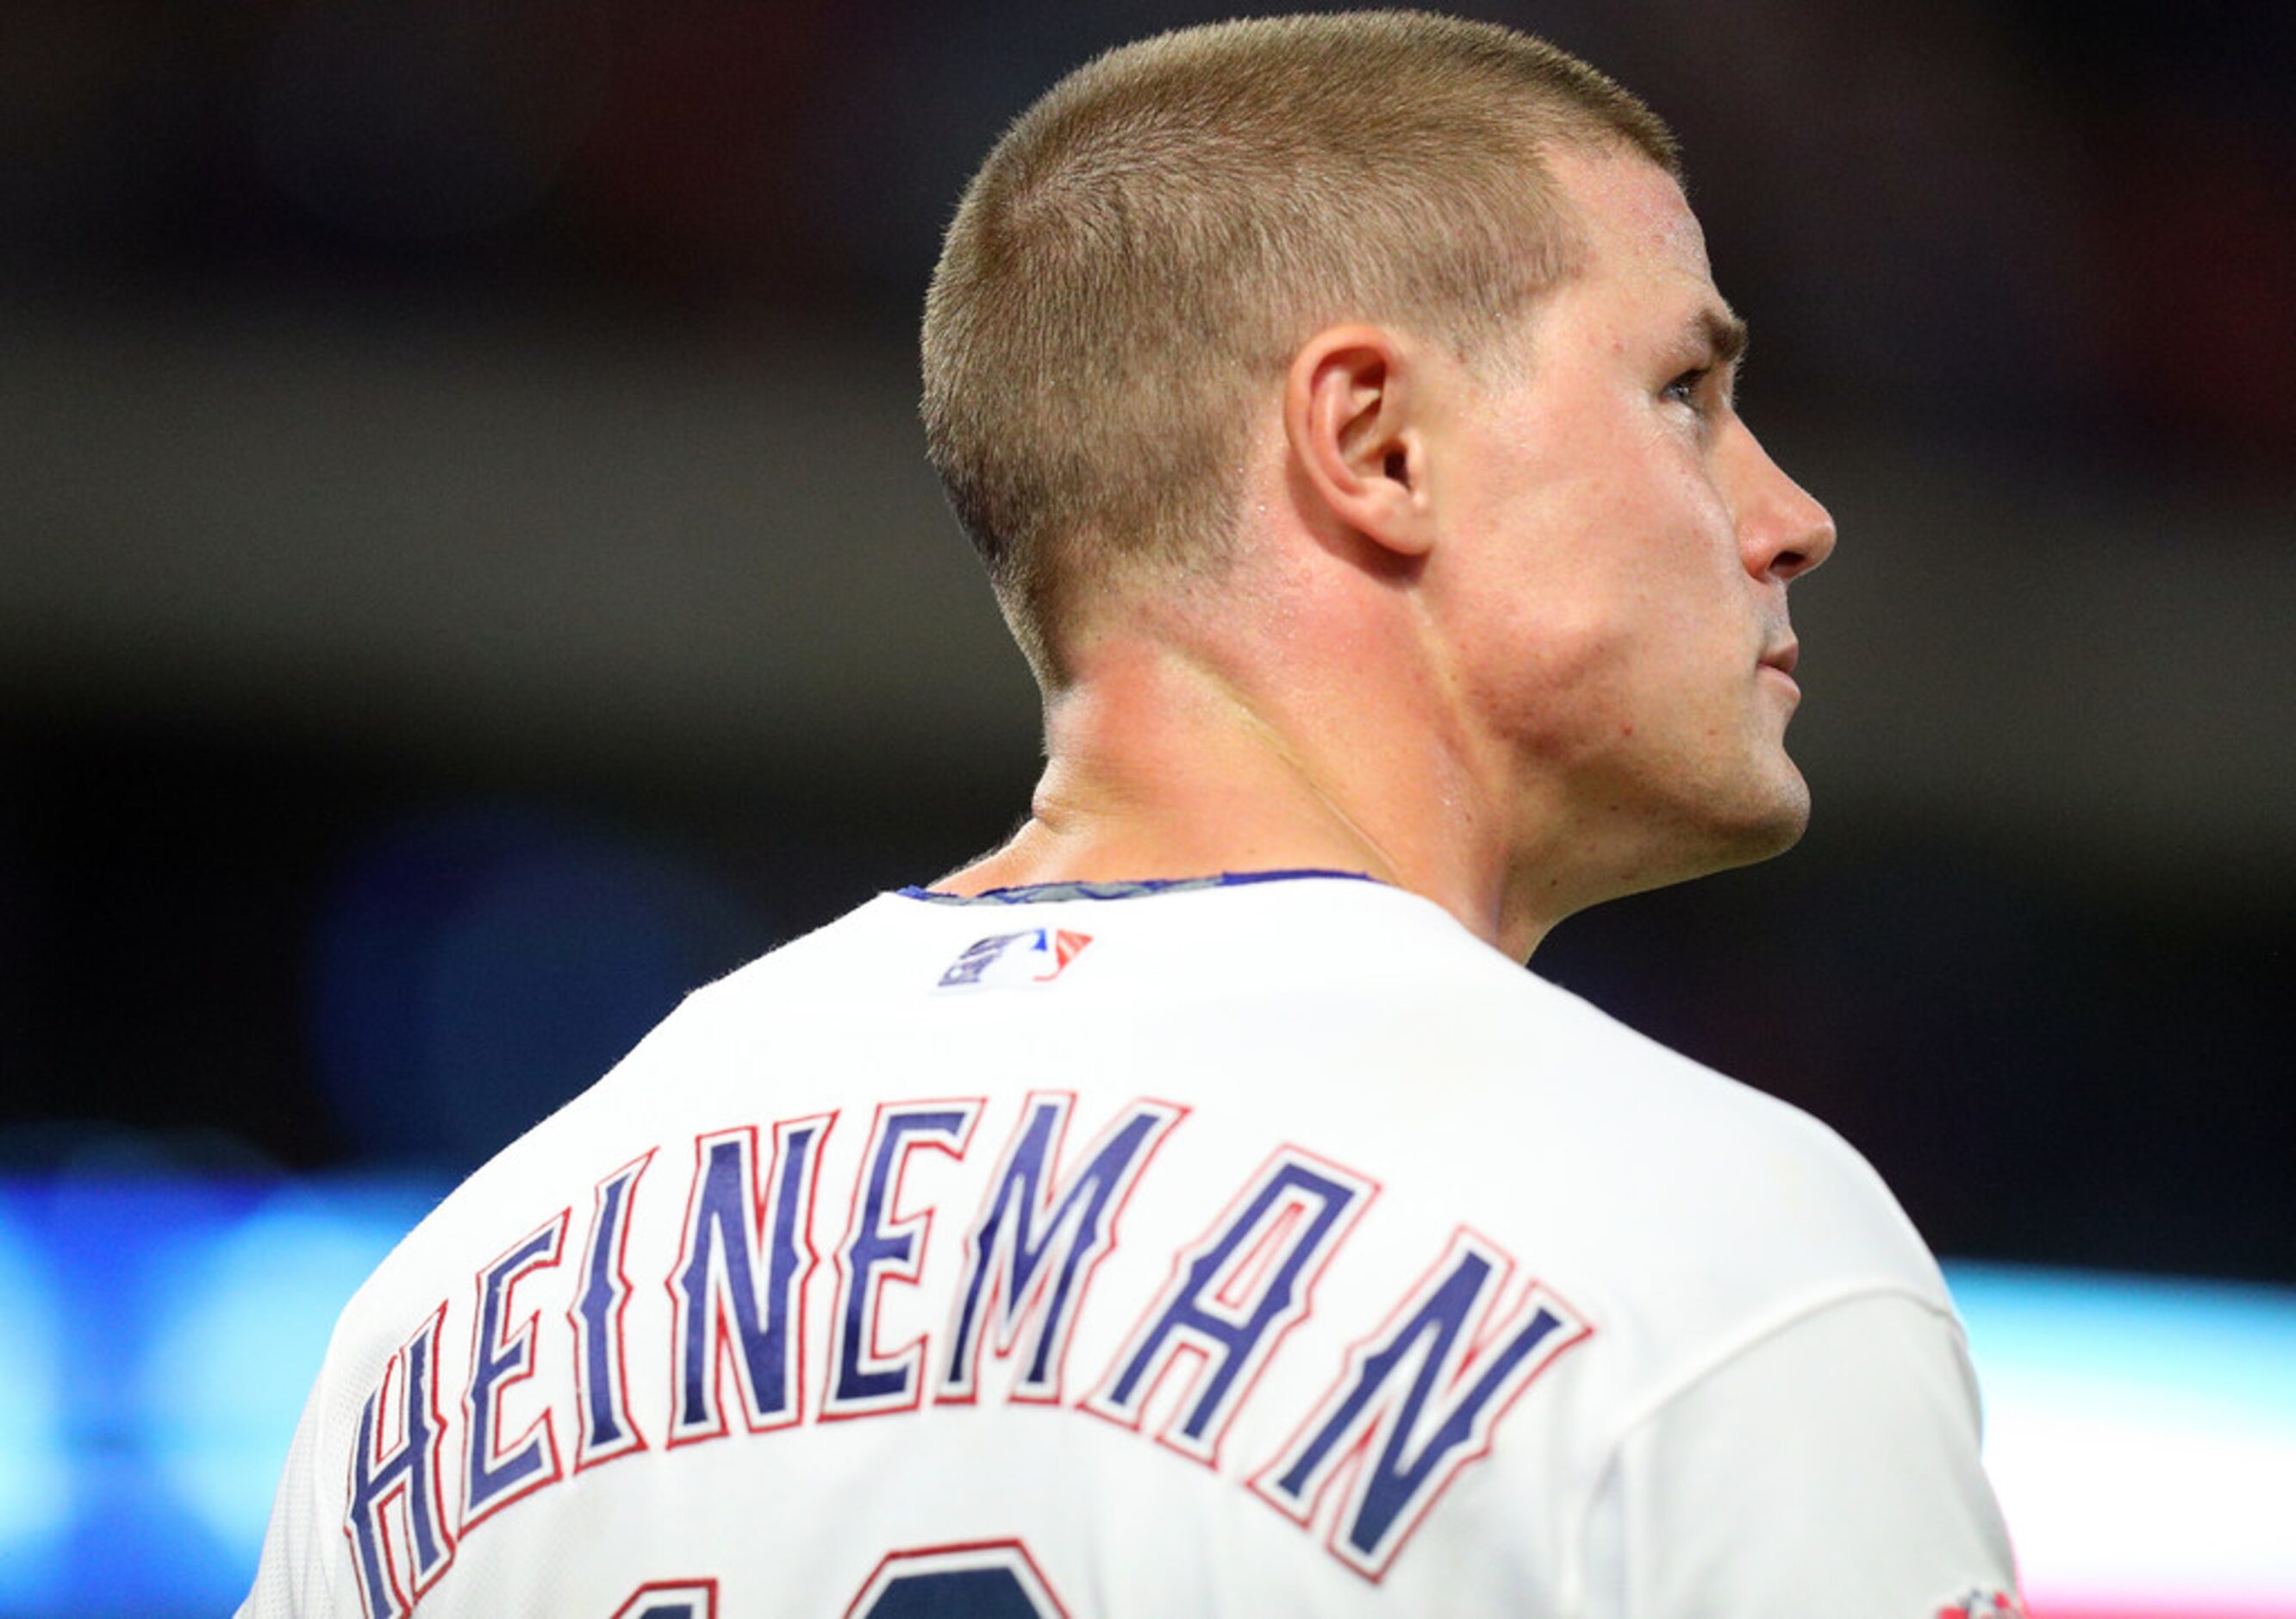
[[1145, 249]]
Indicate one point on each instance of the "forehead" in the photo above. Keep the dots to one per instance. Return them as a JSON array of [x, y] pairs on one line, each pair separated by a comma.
[[1636, 222]]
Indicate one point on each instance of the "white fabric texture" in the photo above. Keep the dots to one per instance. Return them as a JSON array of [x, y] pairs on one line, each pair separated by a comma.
[[1693, 1358]]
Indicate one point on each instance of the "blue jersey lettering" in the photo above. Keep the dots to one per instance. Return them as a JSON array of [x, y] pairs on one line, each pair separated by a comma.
[[728, 1314], [881, 1246], [604, 1428], [395, 1495], [1419, 1401], [1233, 1296], [1034, 1244], [494, 1474]]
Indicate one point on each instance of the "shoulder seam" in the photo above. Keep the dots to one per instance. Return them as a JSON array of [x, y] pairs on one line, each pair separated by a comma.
[[1759, 1330], [1766, 1326]]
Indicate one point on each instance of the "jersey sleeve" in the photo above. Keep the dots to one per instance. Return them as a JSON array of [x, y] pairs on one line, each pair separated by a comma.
[[291, 1580], [1827, 1466]]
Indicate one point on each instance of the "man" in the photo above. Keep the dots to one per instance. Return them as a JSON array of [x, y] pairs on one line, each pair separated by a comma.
[[1191, 1207]]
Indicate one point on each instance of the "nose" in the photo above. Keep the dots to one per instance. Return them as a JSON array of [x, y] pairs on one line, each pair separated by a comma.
[[1782, 529]]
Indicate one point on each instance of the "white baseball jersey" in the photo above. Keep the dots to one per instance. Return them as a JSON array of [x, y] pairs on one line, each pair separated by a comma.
[[1263, 1246]]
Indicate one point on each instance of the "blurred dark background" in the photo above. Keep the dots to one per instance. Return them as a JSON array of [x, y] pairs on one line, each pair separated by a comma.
[[468, 572]]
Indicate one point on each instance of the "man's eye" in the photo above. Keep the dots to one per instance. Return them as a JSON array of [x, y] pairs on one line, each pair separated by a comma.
[[1685, 388]]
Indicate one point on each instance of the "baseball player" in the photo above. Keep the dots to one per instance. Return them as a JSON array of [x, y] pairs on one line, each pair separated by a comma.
[[1193, 1207]]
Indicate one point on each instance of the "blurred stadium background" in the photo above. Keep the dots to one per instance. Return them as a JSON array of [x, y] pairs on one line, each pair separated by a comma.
[[468, 573]]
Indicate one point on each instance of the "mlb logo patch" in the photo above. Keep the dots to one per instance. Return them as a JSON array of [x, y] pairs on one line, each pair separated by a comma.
[[1984, 1604], [1036, 955]]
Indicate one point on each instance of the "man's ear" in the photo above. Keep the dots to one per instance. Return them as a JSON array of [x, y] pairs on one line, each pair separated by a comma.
[[1350, 410]]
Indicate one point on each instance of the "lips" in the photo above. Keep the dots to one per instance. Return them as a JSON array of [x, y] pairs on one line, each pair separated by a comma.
[[1783, 658]]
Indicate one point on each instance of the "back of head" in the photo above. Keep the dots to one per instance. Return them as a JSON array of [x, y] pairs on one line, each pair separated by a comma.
[[1146, 247]]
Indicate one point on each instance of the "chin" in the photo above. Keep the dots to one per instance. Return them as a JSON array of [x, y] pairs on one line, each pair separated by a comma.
[[1692, 825], [1720, 832], [1772, 826]]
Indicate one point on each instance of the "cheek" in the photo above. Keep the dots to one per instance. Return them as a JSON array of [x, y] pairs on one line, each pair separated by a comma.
[[1644, 646], [1616, 585], [1562, 684]]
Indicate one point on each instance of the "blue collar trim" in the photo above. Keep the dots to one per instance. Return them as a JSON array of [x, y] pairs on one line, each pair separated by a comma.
[[1030, 893]]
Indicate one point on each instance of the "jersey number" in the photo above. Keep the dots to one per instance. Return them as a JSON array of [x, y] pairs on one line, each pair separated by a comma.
[[671, 1600], [981, 1580], [986, 1579]]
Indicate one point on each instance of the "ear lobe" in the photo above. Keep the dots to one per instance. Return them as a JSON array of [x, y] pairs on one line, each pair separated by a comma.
[[1348, 413]]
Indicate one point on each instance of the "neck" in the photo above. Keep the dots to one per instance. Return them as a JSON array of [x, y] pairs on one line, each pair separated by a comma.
[[1167, 765]]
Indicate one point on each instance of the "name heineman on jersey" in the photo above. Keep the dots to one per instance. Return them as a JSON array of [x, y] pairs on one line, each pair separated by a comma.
[[1416, 1400], [1156, 1184], [750, 1353]]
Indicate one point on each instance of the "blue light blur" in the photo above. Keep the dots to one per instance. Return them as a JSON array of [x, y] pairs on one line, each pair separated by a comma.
[[2216, 1352], [163, 1333], [37, 1495], [476, 965]]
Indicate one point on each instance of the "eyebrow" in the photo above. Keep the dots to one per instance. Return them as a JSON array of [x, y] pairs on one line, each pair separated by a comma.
[[1725, 334]]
